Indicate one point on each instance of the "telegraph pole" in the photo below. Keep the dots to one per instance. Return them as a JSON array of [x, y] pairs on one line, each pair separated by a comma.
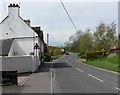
[[47, 40], [47, 43]]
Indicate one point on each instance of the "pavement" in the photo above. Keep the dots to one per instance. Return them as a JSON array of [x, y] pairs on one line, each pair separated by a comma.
[[67, 75], [39, 82], [22, 79]]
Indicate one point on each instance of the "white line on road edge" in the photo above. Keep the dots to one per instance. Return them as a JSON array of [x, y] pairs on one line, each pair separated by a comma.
[[26, 80], [117, 88], [52, 91], [95, 77], [99, 68], [79, 70], [51, 81]]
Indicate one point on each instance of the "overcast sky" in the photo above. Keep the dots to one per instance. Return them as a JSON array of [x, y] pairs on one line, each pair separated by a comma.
[[54, 21]]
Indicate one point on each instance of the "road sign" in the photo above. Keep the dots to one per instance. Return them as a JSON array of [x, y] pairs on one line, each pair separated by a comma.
[[36, 46]]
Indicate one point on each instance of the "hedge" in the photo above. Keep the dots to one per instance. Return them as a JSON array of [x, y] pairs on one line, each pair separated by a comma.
[[94, 54]]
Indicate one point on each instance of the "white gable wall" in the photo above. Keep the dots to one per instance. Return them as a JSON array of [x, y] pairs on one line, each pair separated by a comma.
[[15, 27]]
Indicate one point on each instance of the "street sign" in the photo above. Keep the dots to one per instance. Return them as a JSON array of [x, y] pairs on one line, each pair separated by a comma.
[[36, 46]]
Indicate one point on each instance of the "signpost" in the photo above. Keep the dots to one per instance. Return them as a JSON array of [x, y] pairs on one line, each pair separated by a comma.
[[36, 47]]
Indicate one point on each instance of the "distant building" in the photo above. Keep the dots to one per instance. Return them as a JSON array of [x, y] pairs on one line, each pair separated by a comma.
[[18, 41]]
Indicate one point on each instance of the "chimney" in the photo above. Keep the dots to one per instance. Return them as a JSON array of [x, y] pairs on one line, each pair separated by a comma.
[[13, 9]]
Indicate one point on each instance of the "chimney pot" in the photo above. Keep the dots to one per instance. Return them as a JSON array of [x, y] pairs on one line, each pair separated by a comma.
[[13, 4]]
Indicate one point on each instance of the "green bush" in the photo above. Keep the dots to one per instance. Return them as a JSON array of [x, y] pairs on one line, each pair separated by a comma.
[[93, 54], [47, 57]]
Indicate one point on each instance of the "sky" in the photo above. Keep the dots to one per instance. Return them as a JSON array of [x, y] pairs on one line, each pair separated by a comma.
[[51, 16]]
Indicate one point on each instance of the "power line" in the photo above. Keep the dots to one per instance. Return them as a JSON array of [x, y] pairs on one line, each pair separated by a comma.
[[68, 15], [20, 3]]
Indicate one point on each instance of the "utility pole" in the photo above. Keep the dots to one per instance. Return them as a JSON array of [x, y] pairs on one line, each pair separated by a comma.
[[47, 40], [47, 43]]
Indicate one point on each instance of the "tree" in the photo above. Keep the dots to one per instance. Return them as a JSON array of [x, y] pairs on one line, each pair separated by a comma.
[[85, 41], [105, 36]]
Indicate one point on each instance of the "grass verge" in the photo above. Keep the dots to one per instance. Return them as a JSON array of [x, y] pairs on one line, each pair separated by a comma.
[[109, 63]]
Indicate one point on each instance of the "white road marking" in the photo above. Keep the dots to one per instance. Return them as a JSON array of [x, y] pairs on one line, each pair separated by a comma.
[[26, 80], [99, 68], [95, 77], [117, 88], [71, 65], [51, 80], [68, 63], [79, 70]]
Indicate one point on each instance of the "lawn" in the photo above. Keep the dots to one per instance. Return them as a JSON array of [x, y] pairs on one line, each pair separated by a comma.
[[109, 63]]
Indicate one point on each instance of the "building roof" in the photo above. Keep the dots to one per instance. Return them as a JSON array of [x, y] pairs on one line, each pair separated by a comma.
[[38, 31], [5, 46]]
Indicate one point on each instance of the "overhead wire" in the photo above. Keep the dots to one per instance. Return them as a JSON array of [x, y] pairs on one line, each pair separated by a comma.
[[20, 3], [68, 15]]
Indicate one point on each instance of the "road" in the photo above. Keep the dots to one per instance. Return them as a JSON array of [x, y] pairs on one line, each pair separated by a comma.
[[75, 77], [67, 75]]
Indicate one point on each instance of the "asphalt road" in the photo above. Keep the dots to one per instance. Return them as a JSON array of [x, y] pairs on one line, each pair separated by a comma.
[[71, 76], [67, 75]]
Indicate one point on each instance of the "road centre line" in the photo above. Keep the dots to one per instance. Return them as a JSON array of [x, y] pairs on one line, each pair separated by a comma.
[[79, 70], [72, 65], [68, 63], [95, 78], [117, 88]]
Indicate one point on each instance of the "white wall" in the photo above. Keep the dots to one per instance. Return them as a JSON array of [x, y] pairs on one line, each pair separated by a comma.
[[0, 63], [15, 26], [22, 64], [23, 46]]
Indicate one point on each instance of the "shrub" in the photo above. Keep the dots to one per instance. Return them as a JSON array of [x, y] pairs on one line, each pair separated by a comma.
[[93, 54], [47, 57]]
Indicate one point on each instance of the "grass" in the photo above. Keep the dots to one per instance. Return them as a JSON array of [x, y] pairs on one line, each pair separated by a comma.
[[109, 63]]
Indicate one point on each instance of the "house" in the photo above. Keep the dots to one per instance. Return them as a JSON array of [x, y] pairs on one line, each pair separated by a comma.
[[18, 43]]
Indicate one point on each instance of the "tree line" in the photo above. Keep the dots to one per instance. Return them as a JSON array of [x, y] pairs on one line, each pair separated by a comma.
[[103, 38]]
